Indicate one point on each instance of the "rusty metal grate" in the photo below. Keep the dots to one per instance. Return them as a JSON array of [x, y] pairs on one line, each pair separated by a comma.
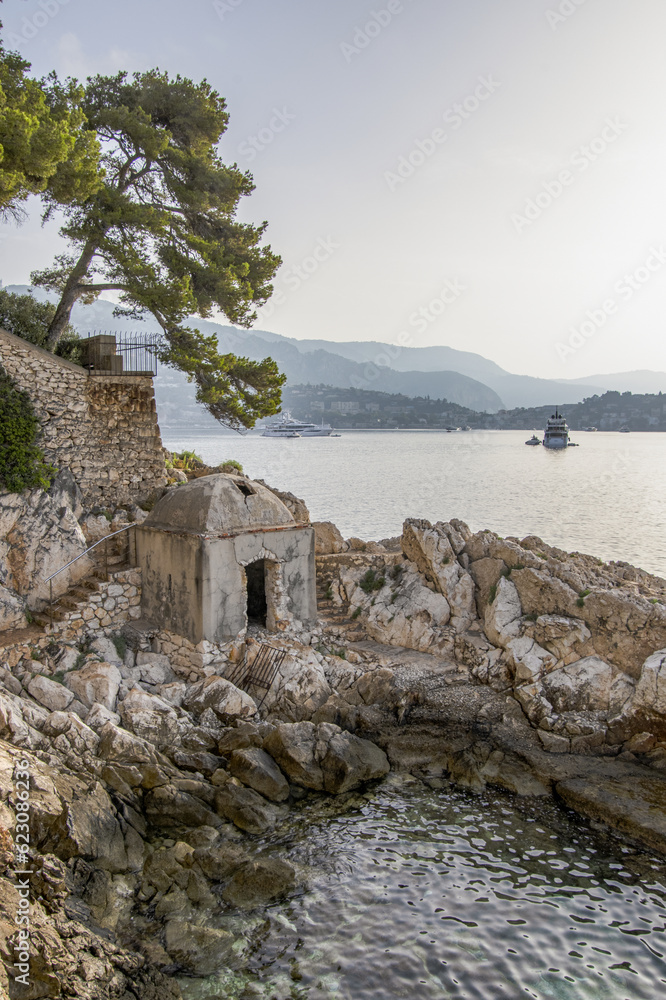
[[260, 674]]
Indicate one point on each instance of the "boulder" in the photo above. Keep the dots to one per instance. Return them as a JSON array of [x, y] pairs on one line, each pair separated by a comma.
[[200, 951], [105, 648], [167, 806], [293, 747], [434, 550], [13, 727], [256, 769], [350, 761], [583, 686], [220, 695], [154, 668], [259, 882], [324, 757], [561, 636], [99, 715], [650, 696], [97, 682], [244, 807], [328, 539], [219, 862], [502, 615], [55, 697], [149, 717]]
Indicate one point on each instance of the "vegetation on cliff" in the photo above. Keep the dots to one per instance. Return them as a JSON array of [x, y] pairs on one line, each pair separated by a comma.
[[22, 464], [132, 165]]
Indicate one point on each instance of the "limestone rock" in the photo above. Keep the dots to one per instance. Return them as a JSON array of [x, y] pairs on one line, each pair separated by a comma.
[[328, 539], [220, 695], [323, 757], [55, 697], [105, 648], [255, 768], [12, 610], [167, 806], [149, 717], [154, 668], [581, 687], [37, 538], [201, 951], [502, 615], [434, 551], [99, 715], [486, 574], [97, 682], [259, 882], [559, 635], [350, 761], [632, 803], [293, 747], [301, 679], [650, 697], [402, 611], [245, 807]]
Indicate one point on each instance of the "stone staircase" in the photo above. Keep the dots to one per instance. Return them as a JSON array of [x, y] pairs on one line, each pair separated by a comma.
[[335, 618], [79, 594]]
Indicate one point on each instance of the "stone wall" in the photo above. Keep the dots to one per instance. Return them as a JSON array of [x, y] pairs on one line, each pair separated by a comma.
[[103, 428]]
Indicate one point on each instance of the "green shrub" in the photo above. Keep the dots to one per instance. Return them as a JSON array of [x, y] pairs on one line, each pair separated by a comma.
[[22, 465], [493, 593], [231, 467], [585, 593], [397, 571], [580, 602], [532, 617], [370, 582], [29, 319], [356, 614]]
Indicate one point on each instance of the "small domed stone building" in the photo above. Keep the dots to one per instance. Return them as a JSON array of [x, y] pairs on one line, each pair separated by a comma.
[[221, 551]]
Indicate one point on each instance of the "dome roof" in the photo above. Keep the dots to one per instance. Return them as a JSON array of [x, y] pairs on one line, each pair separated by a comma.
[[218, 505]]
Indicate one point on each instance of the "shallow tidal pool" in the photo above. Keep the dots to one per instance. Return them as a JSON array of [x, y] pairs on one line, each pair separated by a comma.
[[430, 893]]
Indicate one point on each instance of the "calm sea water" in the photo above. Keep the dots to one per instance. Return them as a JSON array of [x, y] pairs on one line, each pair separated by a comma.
[[415, 893], [607, 497]]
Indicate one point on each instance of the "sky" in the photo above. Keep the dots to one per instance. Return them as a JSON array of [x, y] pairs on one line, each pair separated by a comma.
[[483, 174]]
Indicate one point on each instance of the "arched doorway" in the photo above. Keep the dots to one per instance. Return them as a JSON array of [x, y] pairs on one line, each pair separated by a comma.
[[257, 607]]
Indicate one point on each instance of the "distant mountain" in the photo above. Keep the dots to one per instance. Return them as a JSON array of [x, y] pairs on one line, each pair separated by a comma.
[[439, 372], [640, 381]]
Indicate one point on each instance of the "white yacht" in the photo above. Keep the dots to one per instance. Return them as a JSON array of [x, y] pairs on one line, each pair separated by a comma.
[[557, 433], [286, 426]]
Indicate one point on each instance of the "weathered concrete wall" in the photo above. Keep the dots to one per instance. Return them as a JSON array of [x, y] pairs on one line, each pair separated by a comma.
[[103, 428], [195, 585]]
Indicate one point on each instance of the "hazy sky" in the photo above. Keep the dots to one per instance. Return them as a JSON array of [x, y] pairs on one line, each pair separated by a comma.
[[486, 174]]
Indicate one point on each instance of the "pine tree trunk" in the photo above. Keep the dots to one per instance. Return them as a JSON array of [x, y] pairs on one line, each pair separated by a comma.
[[72, 291]]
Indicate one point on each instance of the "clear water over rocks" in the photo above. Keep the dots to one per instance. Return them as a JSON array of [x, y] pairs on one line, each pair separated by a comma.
[[435, 892]]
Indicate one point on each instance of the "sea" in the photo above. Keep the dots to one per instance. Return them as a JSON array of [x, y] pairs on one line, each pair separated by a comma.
[[605, 497]]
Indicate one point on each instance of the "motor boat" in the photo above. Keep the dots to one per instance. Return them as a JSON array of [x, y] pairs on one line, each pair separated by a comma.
[[556, 435], [287, 426]]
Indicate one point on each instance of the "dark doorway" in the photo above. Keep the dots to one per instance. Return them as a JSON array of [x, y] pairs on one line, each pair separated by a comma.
[[256, 593]]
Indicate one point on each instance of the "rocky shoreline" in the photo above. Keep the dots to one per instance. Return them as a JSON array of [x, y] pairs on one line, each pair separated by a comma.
[[154, 780]]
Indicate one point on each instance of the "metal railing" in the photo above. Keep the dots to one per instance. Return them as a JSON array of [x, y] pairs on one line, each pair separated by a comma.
[[121, 353], [260, 673], [71, 562]]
